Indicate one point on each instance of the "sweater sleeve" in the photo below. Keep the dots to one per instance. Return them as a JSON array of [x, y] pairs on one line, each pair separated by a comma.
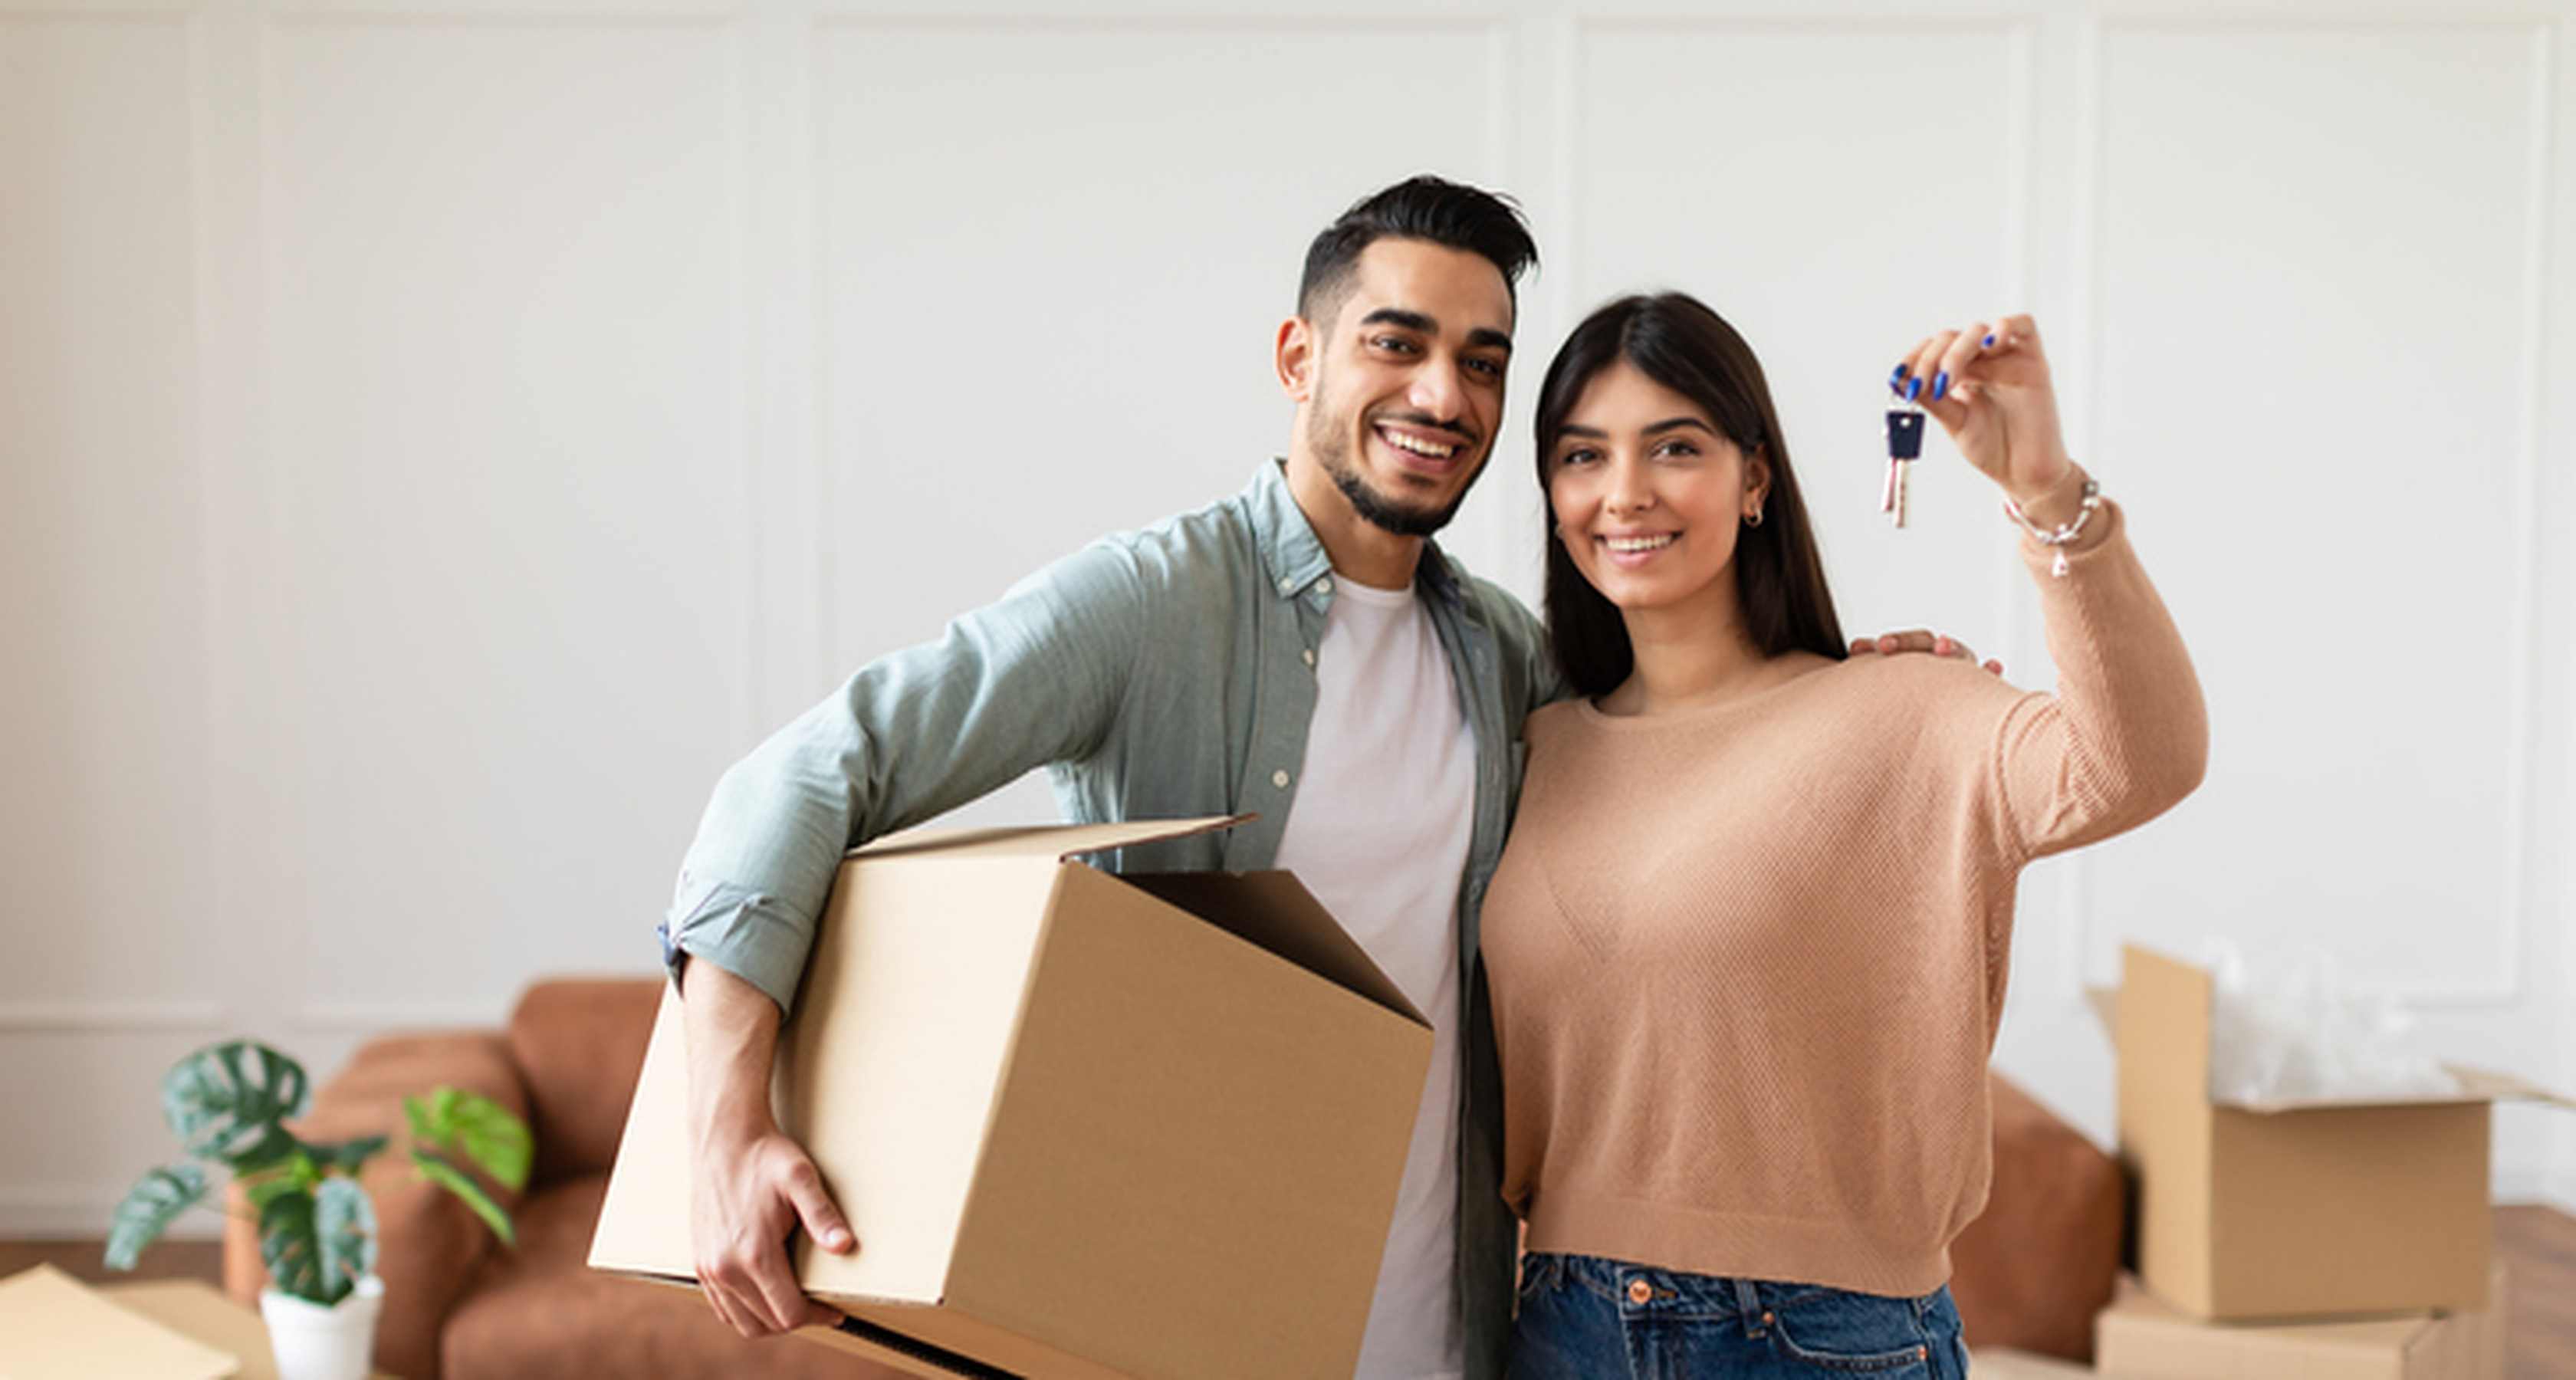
[[2125, 736]]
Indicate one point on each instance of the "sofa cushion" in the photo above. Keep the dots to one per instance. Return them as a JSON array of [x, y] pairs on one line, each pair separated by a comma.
[[541, 1312], [580, 1043], [2041, 1260]]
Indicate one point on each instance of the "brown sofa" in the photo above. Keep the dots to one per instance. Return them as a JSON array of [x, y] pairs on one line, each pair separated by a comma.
[[2030, 1273]]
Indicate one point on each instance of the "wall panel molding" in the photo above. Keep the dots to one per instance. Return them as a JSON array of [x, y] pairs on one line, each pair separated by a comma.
[[67, 1211], [2505, 985], [14, 16], [369, 1019], [114, 1016], [1482, 549]]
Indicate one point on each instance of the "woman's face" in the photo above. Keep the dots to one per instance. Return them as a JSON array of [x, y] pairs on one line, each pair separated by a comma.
[[1648, 494]]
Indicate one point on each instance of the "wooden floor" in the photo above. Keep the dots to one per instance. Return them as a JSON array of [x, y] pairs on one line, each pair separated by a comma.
[[2538, 1246]]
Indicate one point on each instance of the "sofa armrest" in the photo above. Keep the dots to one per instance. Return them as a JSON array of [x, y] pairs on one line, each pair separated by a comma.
[[428, 1245], [2035, 1267]]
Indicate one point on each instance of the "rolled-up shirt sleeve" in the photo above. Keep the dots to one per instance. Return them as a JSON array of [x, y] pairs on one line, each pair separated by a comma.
[[1034, 678]]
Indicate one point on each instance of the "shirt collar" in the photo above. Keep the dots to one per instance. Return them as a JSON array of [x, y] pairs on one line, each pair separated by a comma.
[[1294, 556]]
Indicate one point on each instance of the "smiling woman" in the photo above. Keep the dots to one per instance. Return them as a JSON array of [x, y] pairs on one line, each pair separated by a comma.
[[1701, 429], [1744, 1017]]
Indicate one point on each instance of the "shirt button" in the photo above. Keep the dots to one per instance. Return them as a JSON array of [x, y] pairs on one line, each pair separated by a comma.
[[1287, 585], [1324, 585], [1309, 654], [1639, 1291], [1279, 779]]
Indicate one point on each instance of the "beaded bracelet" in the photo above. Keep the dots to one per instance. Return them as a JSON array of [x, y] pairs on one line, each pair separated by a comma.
[[2064, 532]]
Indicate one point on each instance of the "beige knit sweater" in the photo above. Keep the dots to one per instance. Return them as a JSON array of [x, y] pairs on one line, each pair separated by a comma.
[[1747, 960]]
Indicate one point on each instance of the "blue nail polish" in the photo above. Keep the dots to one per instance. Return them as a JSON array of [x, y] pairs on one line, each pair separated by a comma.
[[1941, 386], [1989, 340], [1900, 374], [1913, 389]]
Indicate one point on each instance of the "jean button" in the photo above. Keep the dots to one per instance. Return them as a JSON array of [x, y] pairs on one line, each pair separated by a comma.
[[1639, 1291]]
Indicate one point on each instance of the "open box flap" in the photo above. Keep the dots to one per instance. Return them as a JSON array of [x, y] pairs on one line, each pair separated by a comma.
[[1040, 840], [2476, 1084], [1276, 912]]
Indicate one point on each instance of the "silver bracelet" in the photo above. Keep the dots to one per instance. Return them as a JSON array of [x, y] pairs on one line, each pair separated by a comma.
[[2064, 532]]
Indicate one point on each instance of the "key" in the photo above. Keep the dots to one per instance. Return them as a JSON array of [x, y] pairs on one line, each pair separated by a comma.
[[1904, 446]]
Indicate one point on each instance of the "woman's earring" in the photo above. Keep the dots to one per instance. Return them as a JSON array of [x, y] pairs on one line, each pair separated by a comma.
[[1754, 518]]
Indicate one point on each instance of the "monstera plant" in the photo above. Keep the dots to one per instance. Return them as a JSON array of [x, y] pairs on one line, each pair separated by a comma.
[[229, 1104]]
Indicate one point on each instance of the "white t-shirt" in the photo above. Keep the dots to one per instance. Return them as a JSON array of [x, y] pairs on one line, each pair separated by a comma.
[[1379, 831]]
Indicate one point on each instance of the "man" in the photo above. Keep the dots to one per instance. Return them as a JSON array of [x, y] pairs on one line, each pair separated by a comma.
[[1300, 650]]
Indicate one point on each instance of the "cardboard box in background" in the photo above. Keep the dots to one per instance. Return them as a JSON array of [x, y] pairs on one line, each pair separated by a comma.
[[2297, 1210], [2140, 1337], [1083, 1125]]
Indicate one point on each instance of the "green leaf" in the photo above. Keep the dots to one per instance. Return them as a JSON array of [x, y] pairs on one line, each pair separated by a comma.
[[454, 1180], [225, 1102], [437, 1122], [269, 1186], [416, 1112], [497, 1142], [149, 1207], [344, 1227], [347, 1155], [290, 1241]]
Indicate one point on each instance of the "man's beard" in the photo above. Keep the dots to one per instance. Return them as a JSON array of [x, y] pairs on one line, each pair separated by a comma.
[[1332, 450]]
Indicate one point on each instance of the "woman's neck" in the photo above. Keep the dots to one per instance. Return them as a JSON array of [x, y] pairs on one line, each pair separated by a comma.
[[1687, 656]]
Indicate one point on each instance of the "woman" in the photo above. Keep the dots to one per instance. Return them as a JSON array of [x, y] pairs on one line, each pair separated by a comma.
[[1747, 945]]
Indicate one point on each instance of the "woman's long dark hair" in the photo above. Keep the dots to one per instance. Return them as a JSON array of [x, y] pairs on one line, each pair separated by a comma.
[[1674, 339]]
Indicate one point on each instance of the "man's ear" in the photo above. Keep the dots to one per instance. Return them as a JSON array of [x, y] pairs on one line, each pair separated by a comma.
[[1296, 358]]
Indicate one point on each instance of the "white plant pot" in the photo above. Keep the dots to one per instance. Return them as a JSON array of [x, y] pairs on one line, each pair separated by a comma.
[[317, 1343]]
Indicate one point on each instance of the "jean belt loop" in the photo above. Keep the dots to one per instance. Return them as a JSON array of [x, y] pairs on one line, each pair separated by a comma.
[[1749, 1303]]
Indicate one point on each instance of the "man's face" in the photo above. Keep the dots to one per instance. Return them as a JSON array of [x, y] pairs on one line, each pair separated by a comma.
[[1407, 384]]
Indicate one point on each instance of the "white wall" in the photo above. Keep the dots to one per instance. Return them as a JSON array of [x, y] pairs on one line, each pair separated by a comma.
[[439, 435]]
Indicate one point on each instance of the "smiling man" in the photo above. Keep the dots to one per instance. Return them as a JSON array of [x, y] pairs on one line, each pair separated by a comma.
[[1301, 651]]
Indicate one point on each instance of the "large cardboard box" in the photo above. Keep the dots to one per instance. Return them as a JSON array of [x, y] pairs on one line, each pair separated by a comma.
[[2299, 1209], [2140, 1337], [1083, 1125]]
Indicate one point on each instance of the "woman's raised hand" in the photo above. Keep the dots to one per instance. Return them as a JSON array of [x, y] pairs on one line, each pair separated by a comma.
[[1988, 386]]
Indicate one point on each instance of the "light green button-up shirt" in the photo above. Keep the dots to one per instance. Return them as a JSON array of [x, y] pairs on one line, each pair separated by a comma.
[[1161, 673]]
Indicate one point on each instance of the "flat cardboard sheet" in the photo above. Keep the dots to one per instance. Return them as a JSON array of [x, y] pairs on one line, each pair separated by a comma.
[[53, 1327], [2006, 1363]]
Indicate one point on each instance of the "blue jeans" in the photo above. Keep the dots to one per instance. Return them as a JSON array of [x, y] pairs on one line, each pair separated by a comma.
[[1585, 1318]]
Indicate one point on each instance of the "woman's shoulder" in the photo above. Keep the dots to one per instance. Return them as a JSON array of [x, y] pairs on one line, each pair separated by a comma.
[[1922, 697], [1551, 720]]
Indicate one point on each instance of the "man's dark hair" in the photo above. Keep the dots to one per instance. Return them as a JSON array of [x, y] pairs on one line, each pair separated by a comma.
[[1418, 208]]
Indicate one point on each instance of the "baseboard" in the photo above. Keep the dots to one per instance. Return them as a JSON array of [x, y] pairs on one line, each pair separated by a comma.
[[2546, 1187], [76, 1214]]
